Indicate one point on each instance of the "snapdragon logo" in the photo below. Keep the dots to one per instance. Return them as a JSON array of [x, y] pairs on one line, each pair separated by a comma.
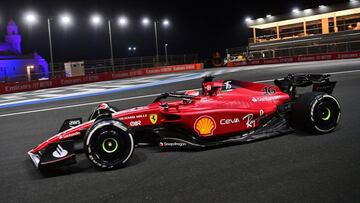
[[172, 144], [59, 152]]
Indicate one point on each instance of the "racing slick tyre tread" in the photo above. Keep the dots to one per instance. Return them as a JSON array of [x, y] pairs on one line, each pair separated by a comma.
[[316, 112], [108, 144]]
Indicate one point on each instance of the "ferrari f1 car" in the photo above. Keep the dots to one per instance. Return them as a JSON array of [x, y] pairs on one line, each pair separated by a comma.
[[224, 112]]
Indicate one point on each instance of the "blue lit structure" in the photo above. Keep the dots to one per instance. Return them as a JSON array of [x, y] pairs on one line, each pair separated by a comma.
[[15, 66]]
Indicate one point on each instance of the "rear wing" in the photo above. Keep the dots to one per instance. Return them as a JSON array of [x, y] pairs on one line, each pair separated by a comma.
[[320, 83]]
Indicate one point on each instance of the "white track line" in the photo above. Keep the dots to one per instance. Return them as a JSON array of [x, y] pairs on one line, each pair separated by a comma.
[[131, 98], [77, 105], [343, 72]]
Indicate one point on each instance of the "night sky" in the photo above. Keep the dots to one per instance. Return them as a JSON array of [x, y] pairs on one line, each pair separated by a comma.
[[196, 27]]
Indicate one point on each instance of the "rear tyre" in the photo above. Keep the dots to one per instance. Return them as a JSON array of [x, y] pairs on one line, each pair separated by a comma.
[[316, 112], [108, 144]]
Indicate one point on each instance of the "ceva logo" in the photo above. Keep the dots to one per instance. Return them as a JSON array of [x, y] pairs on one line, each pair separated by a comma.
[[59, 152], [229, 121]]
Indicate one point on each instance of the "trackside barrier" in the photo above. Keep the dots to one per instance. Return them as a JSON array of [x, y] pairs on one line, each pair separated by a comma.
[[315, 57], [59, 82]]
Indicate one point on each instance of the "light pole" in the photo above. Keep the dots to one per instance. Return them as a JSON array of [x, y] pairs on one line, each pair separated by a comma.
[[156, 42], [65, 20], [96, 20], [51, 49], [32, 18], [165, 23], [111, 47], [166, 54]]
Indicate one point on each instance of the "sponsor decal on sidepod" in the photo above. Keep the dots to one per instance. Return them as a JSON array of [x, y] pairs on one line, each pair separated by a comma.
[[265, 99], [135, 123], [251, 120], [228, 121], [172, 144], [205, 126]]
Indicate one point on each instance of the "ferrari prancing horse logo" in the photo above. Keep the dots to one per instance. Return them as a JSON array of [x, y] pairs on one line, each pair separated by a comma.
[[153, 118]]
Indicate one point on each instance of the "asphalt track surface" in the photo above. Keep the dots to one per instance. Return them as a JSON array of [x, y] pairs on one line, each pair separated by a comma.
[[293, 168]]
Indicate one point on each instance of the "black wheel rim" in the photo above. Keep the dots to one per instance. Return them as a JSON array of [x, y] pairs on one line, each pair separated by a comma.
[[326, 115], [110, 146]]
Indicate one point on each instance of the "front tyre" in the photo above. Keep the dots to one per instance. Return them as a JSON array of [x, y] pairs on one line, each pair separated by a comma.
[[108, 144], [316, 112]]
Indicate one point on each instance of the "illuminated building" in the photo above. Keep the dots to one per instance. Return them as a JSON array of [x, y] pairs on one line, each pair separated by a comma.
[[15, 66]]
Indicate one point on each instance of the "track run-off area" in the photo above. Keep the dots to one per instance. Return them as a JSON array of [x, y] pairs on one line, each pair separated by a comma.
[[297, 167]]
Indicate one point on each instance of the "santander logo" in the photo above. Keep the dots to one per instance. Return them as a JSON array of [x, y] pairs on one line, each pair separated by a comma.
[[59, 152]]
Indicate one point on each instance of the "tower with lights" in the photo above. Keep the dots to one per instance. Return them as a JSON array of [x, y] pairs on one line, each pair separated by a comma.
[[13, 39], [16, 66]]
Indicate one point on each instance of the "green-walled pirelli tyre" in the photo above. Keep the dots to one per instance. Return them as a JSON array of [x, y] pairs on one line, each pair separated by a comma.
[[108, 144], [316, 112]]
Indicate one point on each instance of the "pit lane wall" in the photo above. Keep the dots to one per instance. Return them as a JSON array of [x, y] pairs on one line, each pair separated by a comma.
[[59, 82], [292, 59]]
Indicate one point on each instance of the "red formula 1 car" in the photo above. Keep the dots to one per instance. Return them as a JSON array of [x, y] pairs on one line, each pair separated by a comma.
[[223, 112]]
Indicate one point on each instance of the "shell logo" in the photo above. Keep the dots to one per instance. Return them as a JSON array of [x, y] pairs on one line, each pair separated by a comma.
[[205, 126]]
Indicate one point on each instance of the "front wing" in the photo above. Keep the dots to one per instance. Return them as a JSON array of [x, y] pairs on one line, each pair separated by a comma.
[[54, 155]]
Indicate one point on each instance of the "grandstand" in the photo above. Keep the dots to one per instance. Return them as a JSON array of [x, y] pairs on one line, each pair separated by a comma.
[[332, 28]]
